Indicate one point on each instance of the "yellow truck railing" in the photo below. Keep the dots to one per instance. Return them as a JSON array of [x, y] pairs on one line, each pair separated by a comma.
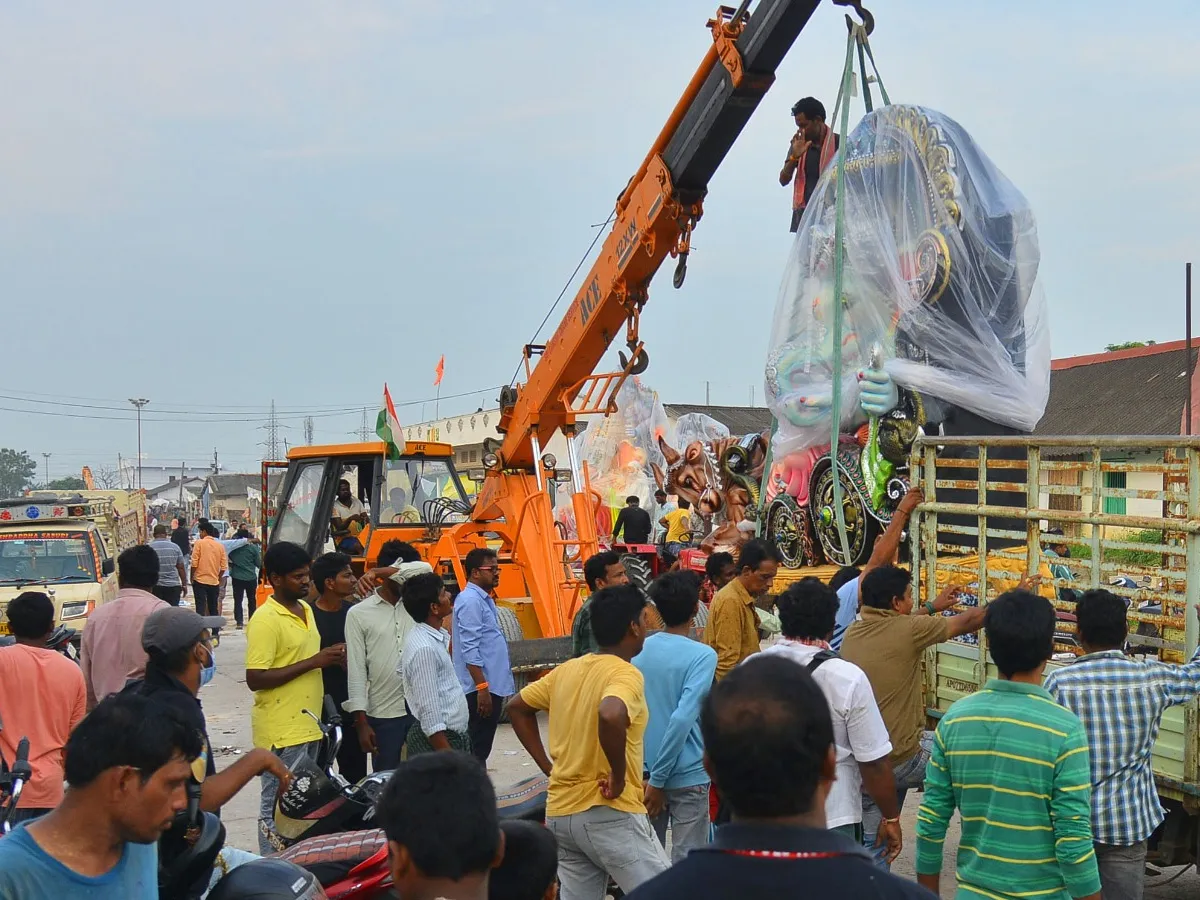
[[1128, 507]]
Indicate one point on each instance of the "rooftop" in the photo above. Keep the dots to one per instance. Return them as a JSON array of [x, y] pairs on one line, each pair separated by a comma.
[[1142, 390]]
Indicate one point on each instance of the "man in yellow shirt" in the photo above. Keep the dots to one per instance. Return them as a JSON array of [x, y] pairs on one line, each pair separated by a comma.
[[732, 628], [678, 523], [283, 667], [597, 704]]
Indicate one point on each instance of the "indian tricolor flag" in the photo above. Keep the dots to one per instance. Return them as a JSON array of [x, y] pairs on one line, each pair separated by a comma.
[[387, 426]]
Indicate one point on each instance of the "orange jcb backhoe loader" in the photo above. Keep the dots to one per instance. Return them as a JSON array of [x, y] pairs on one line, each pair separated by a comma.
[[419, 498]]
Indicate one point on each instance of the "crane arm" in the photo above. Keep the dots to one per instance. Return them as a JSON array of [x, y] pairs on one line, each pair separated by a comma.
[[654, 218]]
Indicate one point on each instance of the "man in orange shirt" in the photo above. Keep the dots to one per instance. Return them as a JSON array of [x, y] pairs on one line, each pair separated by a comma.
[[42, 699], [209, 564]]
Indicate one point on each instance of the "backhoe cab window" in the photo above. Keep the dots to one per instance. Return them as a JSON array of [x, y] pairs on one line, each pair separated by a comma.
[[298, 507], [421, 491]]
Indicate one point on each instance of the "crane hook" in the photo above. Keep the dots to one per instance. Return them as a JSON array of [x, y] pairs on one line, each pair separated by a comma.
[[641, 360], [868, 20]]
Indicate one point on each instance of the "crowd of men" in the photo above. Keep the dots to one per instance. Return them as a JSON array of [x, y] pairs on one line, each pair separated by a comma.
[[809, 746]]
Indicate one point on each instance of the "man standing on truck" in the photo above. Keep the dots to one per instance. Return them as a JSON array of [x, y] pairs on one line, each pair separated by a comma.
[[209, 567], [111, 651], [172, 573], [480, 650], [1121, 704], [888, 644], [811, 150], [732, 628], [1015, 765]]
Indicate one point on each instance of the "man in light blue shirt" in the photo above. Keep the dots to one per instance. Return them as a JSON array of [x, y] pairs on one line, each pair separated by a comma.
[[679, 673], [846, 582], [127, 767], [480, 650]]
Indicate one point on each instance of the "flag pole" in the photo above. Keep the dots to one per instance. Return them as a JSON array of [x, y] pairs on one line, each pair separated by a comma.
[[437, 400]]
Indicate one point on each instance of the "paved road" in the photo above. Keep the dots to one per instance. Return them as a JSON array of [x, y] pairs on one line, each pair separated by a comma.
[[227, 708]]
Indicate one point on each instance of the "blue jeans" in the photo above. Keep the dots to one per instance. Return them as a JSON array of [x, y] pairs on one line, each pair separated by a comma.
[[909, 774], [686, 811], [390, 735]]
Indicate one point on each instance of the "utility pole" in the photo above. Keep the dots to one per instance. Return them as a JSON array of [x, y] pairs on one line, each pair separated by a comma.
[[308, 430], [182, 478], [216, 463], [139, 403], [707, 394], [46, 457]]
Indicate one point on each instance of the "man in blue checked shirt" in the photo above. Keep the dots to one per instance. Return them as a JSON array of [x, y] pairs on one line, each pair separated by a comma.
[[1121, 703], [480, 650]]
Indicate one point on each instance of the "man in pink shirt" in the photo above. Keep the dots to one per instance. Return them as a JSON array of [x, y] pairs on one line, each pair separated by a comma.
[[111, 652], [41, 698]]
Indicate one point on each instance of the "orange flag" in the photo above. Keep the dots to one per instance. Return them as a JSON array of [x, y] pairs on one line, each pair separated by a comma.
[[439, 371]]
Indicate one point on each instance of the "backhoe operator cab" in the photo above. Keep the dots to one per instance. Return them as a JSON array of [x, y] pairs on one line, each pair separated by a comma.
[[410, 498]]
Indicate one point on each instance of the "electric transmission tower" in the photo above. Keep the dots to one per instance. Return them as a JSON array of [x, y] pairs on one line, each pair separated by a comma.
[[364, 433], [272, 428], [308, 430]]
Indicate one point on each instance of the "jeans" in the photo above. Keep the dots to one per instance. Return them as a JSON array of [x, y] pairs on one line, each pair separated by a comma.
[[483, 730], [687, 811], [168, 594], [1122, 871], [909, 774], [390, 735], [208, 601], [269, 785], [600, 843], [243, 590]]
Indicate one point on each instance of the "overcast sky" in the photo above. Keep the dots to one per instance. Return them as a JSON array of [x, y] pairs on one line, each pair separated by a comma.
[[218, 205]]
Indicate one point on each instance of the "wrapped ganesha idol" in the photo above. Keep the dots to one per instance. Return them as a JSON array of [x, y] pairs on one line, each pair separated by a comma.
[[941, 313]]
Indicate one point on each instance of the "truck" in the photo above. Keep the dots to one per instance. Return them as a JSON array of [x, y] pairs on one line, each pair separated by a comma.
[[67, 547], [1151, 557]]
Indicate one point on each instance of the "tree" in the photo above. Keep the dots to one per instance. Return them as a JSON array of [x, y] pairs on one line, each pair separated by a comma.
[[1128, 345], [70, 483], [17, 469], [106, 478]]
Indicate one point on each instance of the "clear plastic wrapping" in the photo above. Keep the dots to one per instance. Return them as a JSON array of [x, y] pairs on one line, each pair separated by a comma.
[[939, 289]]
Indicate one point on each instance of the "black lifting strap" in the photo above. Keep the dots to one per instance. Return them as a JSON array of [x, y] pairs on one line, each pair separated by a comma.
[[819, 660]]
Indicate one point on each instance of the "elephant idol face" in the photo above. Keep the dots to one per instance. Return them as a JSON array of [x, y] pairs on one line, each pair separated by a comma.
[[690, 475]]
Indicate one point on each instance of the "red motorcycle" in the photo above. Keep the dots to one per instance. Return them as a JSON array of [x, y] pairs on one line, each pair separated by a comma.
[[354, 865]]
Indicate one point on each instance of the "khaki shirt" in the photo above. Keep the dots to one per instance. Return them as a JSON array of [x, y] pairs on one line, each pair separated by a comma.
[[888, 646], [732, 628]]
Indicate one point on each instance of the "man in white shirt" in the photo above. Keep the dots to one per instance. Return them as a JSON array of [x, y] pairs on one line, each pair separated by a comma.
[[431, 684], [376, 630], [807, 613], [348, 520]]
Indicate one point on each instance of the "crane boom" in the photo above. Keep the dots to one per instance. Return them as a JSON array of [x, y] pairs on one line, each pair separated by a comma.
[[653, 220]]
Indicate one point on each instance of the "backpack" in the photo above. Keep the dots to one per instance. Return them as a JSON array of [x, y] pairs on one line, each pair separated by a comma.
[[819, 660]]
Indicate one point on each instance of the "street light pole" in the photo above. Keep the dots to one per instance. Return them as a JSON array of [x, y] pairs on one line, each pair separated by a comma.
[[139, 403], [46, 457]]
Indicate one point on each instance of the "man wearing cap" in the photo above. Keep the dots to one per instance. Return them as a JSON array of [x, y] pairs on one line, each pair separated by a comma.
[[178, 644], [376, 629]]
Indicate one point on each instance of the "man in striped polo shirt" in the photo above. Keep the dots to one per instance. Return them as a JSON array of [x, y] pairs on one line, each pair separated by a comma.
[[1015, 764]]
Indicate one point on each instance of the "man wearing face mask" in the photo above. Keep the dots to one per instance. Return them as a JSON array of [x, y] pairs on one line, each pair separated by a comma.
[[178, 643]]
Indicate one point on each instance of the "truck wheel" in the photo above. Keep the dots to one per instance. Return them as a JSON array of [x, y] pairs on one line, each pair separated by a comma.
[[638, 571], [510, 625], [511, 628]]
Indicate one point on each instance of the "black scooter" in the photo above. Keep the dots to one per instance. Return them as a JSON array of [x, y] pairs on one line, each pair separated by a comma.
[[62, 640]]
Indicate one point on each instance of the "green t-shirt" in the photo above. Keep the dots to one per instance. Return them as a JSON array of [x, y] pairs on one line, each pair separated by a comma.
[[244, 563]]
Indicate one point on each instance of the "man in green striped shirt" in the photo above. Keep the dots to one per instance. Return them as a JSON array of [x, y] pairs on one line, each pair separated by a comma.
[[1015, 765]]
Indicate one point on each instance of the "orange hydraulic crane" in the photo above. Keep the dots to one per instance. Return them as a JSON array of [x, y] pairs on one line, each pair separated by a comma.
[[541, 578]]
